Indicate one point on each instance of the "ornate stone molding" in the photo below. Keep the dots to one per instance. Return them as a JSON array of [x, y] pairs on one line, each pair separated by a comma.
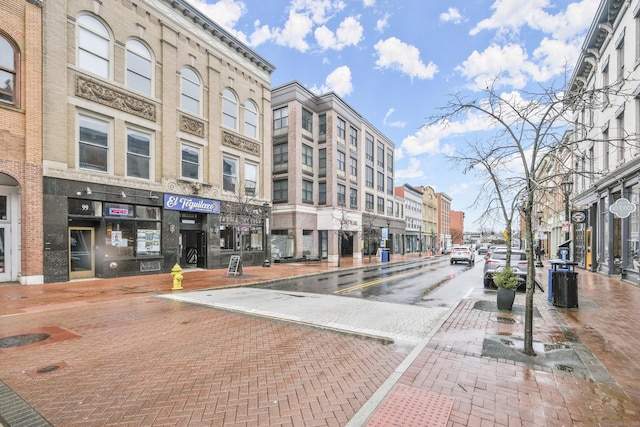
[[192, 126], [240, 143], [191, 188], [103, 94]]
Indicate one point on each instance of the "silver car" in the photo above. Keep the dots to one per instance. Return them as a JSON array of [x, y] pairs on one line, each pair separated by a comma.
[[462, 254], [497, 261]]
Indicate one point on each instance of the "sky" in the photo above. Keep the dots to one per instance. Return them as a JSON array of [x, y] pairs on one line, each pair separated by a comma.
[[398, 62]]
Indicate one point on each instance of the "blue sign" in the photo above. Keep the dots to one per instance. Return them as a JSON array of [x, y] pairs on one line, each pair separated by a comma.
[[191, 204]]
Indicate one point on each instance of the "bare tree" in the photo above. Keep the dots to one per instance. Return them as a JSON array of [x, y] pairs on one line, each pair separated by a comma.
[[371, 233], [524, 127], [244, 213], [346, 226]]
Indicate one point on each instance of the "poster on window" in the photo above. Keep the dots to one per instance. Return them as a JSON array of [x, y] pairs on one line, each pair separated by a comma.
[[148, 242], [117, 240]]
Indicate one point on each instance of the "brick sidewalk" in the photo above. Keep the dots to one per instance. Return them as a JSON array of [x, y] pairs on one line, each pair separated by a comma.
[[124, 357]]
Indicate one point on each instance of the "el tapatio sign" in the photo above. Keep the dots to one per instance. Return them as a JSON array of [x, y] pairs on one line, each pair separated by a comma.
[[622, 208], [191, 204]]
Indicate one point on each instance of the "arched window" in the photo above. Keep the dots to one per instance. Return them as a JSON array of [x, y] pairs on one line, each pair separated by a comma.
[[191, 91], [94, 46], [8, 71], [229, 109], [250, 119], [139, 67]]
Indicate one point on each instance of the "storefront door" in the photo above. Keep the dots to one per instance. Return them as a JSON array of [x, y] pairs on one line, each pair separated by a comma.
[[5, 261], [81, 252]]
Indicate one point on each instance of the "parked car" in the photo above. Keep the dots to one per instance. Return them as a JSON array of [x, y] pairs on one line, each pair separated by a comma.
[[446, 251], [497, 261], [462, 254]]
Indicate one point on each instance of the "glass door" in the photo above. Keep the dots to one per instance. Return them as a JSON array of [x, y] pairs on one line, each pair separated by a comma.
[[81, 253], [5, 274]]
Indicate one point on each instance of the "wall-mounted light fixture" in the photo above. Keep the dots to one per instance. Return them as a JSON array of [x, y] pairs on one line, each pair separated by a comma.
[[152, 196], [85, 191], [122, 194]]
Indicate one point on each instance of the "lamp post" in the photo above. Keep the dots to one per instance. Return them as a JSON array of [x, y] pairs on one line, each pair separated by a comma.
[[538, 255], [567, 185], [265, 235], [420, 241]]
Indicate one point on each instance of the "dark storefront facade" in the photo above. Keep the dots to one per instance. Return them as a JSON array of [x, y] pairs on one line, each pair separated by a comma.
[[97, 230]]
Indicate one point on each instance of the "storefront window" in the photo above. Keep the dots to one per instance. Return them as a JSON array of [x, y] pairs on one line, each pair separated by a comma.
[[633, 243], [128, 235], [249, 238], [3, 208], [604, 232]]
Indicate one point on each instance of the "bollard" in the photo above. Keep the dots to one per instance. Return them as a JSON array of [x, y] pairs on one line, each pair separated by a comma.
[[176, 273]]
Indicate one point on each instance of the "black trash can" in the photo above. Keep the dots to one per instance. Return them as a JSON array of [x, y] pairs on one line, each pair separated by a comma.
[[564, 284]]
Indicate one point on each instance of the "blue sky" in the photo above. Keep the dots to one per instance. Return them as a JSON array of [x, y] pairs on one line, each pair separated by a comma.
[[397, 62]]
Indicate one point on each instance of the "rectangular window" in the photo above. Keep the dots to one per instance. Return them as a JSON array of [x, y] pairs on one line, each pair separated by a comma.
[[341, 129], [368, 179], [229, 174], [307, 158], [369, 146], [250, 179], [380, 181], [605, 84], [390, 207], [354, 166], [138, 154], [390, 161], [280, 157], [342, 194], [322, 162], [353, 137], [380, 155], [322, 193], [322, 126], [342, 162], [368, 201], [620, 56], [280, 190], [390, 185], [307, 120], [190, 162], [93, 144], [307, 191], [605, 150], [353, 198], [281, 118], [381, 205], [621, 138]]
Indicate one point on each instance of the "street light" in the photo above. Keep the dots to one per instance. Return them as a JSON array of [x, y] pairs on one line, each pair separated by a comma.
[[265, 237], [567, 185], [539, 256]]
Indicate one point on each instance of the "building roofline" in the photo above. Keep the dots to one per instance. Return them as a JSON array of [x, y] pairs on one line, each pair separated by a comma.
[[199, 18]]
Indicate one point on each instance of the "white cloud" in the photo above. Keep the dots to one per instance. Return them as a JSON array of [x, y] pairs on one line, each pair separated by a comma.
[[224, 12], [510, 62], [413, 171], [451, 15], [319, 11], [338, 81], [427, 140], [397, 124], [511, 15], [349, 33], [369, 3], [382, 23], [397, 55], [294, 33]]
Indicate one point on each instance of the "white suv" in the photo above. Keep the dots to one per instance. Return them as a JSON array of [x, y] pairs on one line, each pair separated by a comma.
[[462, 254]]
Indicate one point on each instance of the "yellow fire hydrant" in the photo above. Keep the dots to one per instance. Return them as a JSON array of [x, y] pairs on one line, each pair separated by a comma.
[[176, 273]]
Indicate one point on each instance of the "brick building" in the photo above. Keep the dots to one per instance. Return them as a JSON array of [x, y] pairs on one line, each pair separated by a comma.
[[332, 177], [157, 124], [21, 141]]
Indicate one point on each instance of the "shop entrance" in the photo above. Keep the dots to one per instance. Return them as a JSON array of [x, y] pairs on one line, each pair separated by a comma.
[[81, 253], [193, 249]]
